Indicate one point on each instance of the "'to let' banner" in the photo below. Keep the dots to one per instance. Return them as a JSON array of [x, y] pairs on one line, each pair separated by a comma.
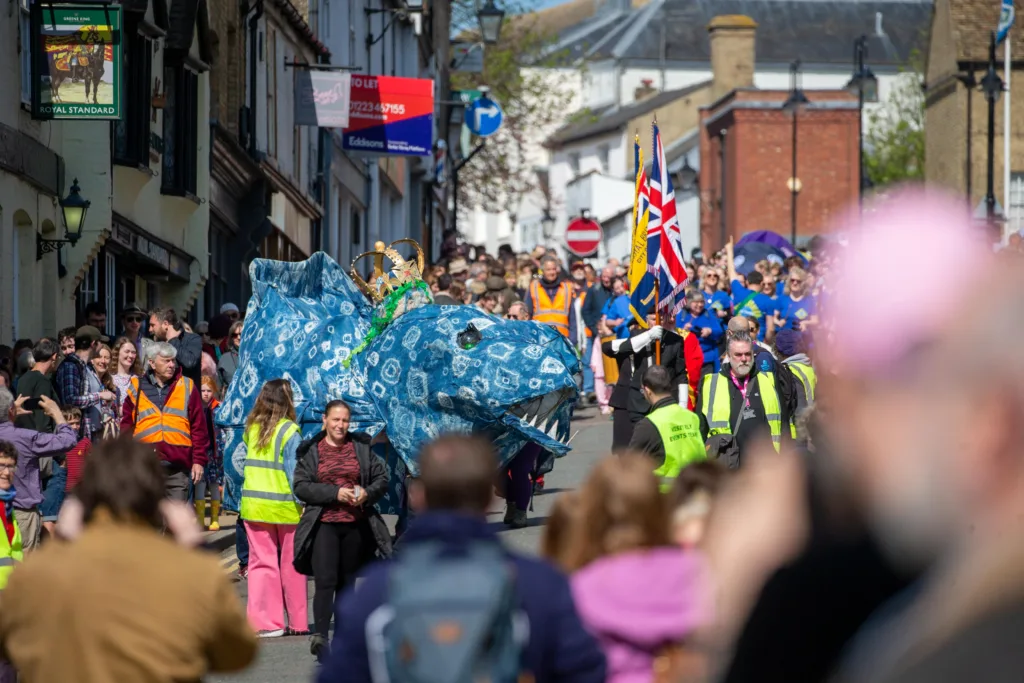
[[390, 115]]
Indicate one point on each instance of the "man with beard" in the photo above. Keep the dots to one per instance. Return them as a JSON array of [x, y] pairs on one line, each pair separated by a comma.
[[741, 400], [680, 354]]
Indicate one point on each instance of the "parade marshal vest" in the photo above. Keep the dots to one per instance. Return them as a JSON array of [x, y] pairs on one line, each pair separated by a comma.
[[266, 494], [555, 313], [716, 404], [809, 379], [680, 435], [10, 554], [167, 425]]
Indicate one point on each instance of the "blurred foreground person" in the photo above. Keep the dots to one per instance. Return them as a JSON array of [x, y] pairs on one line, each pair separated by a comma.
[[123, 601], [622, 546], [455, 605], [691, 499], [953, 501]]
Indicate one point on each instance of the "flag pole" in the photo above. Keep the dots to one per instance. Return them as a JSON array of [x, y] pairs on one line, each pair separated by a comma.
[[657, 321], [1007, 68]]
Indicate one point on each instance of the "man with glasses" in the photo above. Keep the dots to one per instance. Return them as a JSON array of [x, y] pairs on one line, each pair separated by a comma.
[[31, 445]]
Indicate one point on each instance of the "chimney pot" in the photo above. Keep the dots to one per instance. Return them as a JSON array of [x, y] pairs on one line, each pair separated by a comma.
[[645, 90], [732, 53]]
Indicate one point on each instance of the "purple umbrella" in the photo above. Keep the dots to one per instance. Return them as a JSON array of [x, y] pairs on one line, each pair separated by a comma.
[[772, 239]]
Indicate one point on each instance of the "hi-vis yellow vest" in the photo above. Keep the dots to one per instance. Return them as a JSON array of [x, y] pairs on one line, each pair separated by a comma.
[[804, 372], [555, 313], [680, 435], [167, 425], [716, 403], [10, 554], [266, 494]]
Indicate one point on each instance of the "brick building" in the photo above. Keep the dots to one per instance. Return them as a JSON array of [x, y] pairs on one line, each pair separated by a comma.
[[955, 153], [746, 143]]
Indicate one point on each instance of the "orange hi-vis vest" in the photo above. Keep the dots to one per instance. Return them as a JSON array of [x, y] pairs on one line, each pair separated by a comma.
[[169, 425], [555, 313]]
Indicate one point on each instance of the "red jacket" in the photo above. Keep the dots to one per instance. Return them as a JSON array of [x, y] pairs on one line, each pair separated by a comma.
[[693, 356], [181, 456]]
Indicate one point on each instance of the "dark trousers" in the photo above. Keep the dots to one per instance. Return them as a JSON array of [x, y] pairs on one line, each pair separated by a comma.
[[241, 543], [339, 551], [623, 423], [179, 484]]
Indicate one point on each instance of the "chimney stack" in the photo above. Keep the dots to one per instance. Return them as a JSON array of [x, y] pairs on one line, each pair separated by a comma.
[[732, 53], [645, 90]]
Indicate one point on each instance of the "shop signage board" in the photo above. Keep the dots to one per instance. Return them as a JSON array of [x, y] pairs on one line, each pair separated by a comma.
[[322, 98], [389, 115], [76, 61]]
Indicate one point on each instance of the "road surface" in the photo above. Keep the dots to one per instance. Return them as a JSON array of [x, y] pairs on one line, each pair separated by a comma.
[[287, 660]]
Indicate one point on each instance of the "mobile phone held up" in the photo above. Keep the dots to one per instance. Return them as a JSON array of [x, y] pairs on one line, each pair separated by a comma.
[[32, 404]]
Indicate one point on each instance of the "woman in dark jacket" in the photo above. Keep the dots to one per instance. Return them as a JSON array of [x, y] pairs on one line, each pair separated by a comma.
[[339, 480]]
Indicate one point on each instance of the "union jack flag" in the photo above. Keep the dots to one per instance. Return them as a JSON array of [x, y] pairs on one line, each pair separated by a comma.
[[669, 264]]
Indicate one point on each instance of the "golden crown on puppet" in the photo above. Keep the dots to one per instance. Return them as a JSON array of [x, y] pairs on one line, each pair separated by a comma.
[[402, 272]]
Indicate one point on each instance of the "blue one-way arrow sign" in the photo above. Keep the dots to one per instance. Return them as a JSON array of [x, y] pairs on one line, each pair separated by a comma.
[[483, 117]]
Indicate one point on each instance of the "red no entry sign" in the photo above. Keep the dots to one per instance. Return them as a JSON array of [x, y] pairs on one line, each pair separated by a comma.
[[582, 236]]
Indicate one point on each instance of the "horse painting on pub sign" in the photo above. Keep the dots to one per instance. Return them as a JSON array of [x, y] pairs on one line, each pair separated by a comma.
[[77, 62]]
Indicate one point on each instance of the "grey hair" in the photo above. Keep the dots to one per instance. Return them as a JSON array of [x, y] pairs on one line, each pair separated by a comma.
[[6, 402], [162, 349], [694, 295], [546, 258], [741, 337]]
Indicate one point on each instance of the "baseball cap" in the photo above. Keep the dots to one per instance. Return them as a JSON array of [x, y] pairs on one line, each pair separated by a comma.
[[229, 308], [91, 333]]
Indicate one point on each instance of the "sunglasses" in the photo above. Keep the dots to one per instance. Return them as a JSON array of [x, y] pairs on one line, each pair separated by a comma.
[[134, 318], [237, 335], [795, 282]]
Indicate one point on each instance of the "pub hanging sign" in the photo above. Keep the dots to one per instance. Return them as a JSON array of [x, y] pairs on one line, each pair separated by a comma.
[[76, 61]]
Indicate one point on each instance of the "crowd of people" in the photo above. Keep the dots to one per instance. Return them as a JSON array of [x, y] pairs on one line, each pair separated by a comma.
[[789, 494]]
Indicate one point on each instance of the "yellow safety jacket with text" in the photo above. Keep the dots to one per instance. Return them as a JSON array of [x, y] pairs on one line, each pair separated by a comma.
[[804, 372], [680, 436]]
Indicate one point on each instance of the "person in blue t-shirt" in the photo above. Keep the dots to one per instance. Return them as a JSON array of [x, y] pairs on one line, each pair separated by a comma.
[[616, 311], [716, 302], [753, 300], [797, 310], [705, 325]]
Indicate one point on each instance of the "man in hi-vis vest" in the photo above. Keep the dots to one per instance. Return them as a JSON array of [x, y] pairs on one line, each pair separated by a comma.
[[670, 433], [164, 409], [550, 299]]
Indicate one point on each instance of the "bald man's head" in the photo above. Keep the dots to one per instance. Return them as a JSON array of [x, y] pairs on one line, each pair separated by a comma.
[[739, 324], [456, 475]]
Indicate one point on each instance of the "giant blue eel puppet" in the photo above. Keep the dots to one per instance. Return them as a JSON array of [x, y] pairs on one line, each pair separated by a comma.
[[409, 368]]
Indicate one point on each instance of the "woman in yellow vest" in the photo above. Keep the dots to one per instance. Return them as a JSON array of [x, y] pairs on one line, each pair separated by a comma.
[[10, 539], [271, 513]]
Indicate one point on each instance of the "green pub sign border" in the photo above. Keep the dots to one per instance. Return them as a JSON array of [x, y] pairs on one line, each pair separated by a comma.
[[62, 79]]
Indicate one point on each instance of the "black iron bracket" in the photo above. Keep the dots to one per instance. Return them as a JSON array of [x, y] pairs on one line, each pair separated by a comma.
[[320, 67], [45, 246]]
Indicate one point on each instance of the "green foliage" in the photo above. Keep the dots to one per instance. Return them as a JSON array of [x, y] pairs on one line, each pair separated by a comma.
[[522, 76], [894, 132]]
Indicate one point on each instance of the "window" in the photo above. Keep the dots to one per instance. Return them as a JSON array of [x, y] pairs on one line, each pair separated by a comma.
[[603, 154], [1015, 213], [574, 163], [131, 133], [272, 93], [181, 129], [89, 287], [325, 20], [25, 52], [221, 263]]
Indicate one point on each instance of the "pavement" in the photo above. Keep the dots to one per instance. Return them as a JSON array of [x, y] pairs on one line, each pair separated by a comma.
[[287, 660]]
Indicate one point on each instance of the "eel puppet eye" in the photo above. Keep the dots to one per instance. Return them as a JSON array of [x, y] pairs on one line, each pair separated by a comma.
[[469, 337]]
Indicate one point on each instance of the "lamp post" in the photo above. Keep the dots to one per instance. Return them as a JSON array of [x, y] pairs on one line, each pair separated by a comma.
[[547, 226], [490, 18], [863, 84], [73, 209], [992, 86], [970, 82], [793, 104]]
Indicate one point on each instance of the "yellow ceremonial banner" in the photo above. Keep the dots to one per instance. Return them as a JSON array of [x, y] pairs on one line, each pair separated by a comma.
[[641, 283]]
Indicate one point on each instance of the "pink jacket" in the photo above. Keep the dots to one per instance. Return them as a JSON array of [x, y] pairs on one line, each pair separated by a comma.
[[636, 603]]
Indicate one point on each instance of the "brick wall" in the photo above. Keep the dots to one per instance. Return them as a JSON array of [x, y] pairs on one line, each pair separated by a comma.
[[227, 75], [758, 163]]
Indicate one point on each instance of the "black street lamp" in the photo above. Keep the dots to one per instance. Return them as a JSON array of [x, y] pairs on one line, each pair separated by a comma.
[[73, 209], [863, 84], [793, 104], [992, 86], [490, 18], [970, 82]]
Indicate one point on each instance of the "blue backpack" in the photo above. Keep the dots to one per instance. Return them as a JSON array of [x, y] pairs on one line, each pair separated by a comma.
[[449, 618]]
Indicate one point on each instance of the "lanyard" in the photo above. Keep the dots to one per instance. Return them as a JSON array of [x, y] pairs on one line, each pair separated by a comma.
[[743, 389]]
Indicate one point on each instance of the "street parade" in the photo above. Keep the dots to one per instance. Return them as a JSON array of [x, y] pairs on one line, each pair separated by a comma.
[[552, 341]]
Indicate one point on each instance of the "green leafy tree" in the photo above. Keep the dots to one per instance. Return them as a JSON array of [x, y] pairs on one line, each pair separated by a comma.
[[534, 87], [894, 132]]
